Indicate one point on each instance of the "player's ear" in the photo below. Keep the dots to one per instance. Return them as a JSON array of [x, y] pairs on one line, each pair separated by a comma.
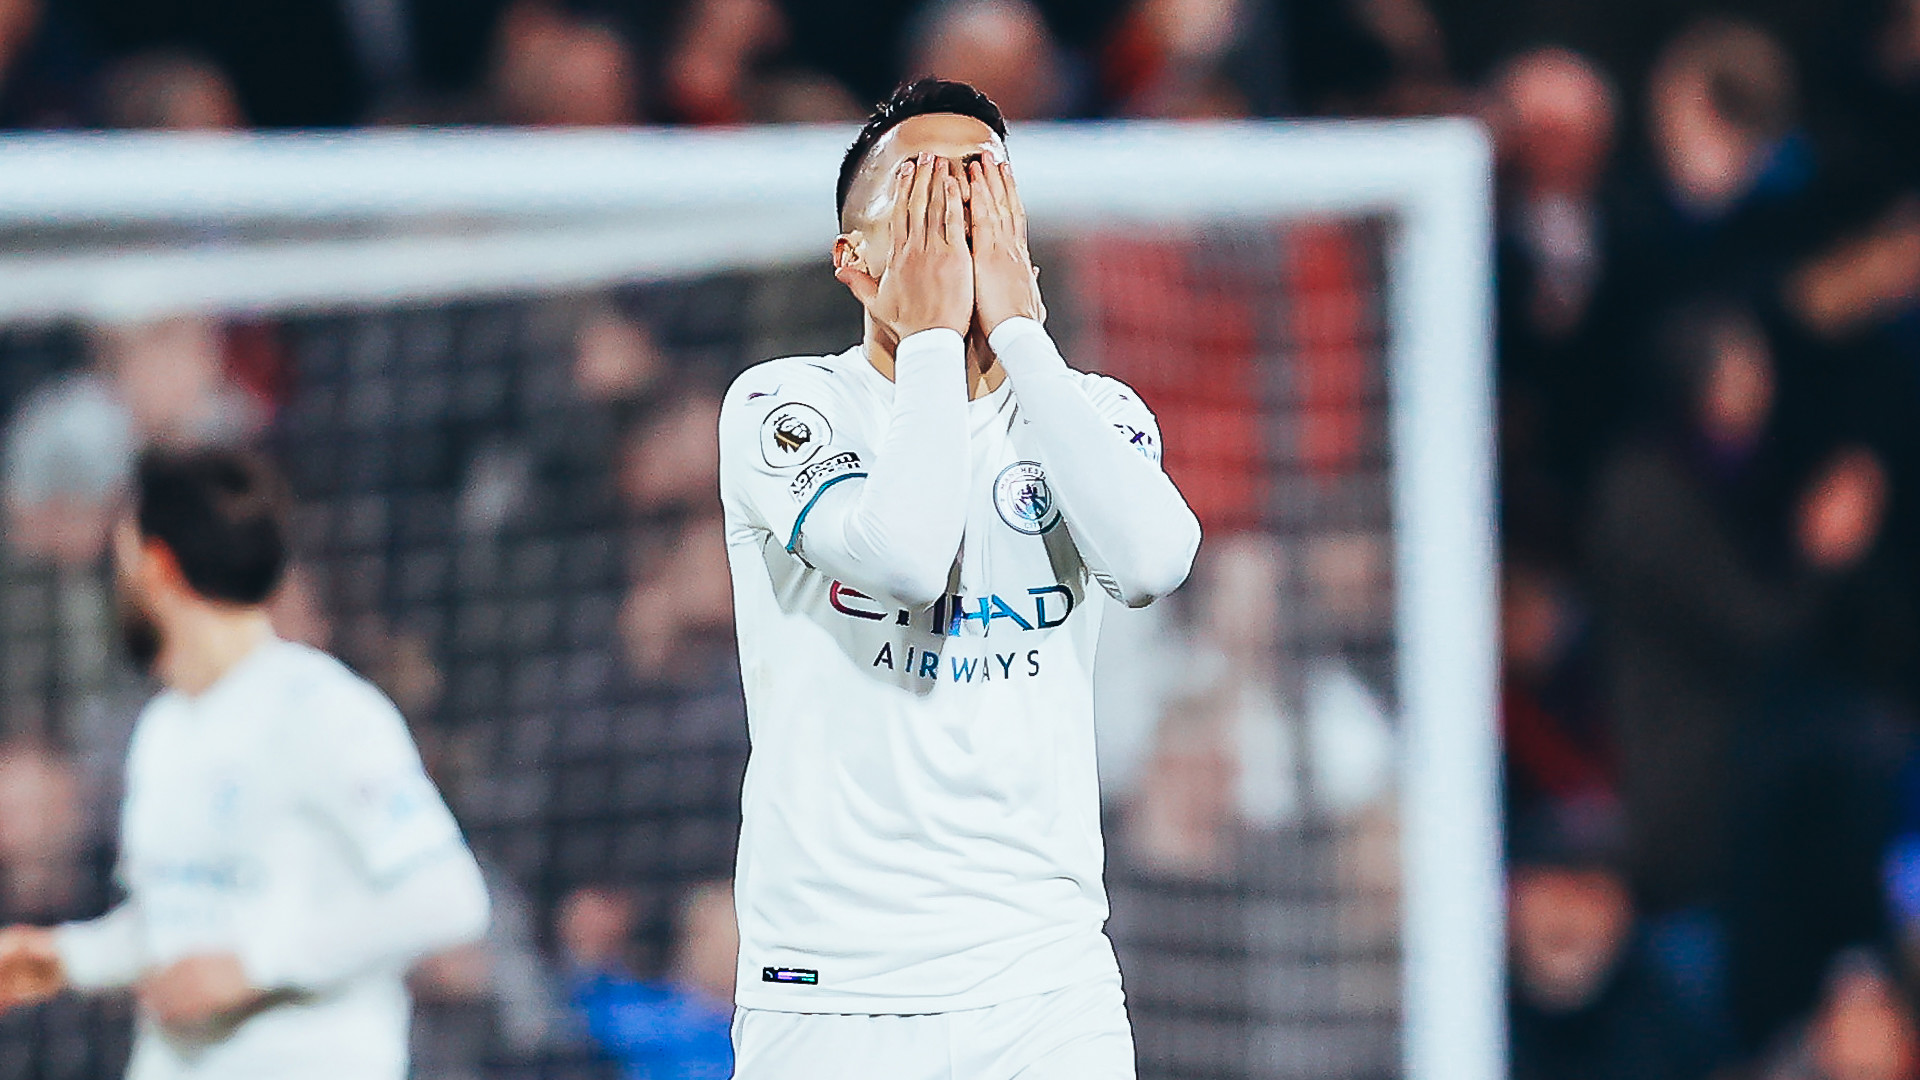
[[850, 267], [846, 251], [158, 570]]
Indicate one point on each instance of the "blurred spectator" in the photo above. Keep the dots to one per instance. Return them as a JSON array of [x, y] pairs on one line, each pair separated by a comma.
[[1864, 279], [69, 454], [680, 606], [293, 63], [1723, 98], [553, 68], [674, 459], [1865, 86], [676, 1028], [1553, 122], [729, 65], [1691, 614], [1240, 747], [1555, 747], [1735, 194], [42, 69], [171, 374], [1001, 46], [718, 44], [1864, 1029], [1893, 102], [615, 357], [70, 448], [681, 609], [41, 833], [169, 90], [1711, 590], [1420, 82], [1816, 778], [1553, 115], [1585, 1002], [1168, 58], [1183, 819]]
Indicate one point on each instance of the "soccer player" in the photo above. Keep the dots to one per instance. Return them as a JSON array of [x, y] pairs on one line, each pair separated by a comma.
[[923, 531], [283, 854]]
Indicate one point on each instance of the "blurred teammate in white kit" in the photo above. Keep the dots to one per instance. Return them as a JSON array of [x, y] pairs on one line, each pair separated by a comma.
[[283, 854], [920, 531]]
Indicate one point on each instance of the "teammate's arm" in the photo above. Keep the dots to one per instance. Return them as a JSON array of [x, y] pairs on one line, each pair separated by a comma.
[[37, 962], [435, 906], [1102, 457], [423, 891], [895, 527]]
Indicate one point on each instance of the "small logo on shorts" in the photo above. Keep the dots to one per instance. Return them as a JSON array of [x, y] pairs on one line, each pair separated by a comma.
[[797, 976], [1023, 498]]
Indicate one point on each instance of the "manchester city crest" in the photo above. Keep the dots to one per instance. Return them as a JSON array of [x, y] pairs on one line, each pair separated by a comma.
[[1023, 498]]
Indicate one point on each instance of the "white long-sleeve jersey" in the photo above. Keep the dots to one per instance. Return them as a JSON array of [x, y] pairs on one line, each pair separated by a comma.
[[283, 816], [918, 582]]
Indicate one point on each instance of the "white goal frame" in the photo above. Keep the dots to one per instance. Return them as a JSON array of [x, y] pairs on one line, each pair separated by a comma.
[[120, 226]]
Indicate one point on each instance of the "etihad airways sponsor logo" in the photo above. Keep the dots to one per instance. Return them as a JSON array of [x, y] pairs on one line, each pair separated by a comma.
[[925, 664], [1042, 608]]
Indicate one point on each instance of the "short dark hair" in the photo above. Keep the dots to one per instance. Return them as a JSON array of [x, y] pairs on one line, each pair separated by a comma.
[[222, 514], [908, 100]]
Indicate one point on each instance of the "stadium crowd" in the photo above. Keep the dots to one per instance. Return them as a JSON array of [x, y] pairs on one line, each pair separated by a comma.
[[1709, 395]]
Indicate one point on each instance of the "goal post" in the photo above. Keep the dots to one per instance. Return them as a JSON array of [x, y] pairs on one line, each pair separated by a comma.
[[118, 227]]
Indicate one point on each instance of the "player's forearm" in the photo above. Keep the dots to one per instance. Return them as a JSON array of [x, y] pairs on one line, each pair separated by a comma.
[[439, 905], [1128, 518], [898, 531], [106, 953]]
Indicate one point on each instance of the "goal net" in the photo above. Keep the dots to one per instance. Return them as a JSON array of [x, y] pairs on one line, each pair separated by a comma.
[[490, 364]]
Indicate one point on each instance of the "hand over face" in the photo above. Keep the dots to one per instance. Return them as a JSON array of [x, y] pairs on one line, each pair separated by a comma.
[[30, 968], [928, 281], [198, 990], [1005, 282]]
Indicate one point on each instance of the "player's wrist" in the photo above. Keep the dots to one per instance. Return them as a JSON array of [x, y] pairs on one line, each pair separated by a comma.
[[930, 341], [1007, 331]]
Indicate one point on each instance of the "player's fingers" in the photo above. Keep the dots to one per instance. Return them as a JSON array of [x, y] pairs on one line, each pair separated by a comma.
[[984, 210], [956, 215], [897, 213], [861, 284], [940, 200], [918, 200], [1015, 207], [997, 184]]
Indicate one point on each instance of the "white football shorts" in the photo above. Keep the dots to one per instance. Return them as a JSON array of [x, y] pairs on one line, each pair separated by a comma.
[[1079, 1032]]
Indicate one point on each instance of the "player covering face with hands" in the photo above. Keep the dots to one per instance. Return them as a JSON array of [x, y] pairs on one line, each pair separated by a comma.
[[283, 854], [924, 533]]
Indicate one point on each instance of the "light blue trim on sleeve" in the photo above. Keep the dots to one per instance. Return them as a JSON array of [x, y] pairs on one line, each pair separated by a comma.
[[794, 540]]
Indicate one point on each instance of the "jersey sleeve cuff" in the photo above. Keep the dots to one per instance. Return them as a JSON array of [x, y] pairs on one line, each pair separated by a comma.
[[930, 344], [1024, 348], [98, 955]]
